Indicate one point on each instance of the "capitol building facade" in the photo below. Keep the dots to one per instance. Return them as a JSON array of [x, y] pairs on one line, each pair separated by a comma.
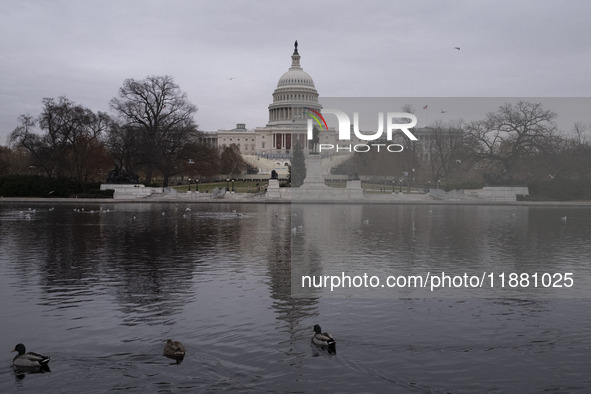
[[270, 147]]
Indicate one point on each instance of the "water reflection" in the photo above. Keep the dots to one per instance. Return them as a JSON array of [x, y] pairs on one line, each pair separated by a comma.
[[485, 241], [110, 283]]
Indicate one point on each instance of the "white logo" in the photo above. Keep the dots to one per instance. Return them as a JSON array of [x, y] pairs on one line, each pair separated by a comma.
[[345, 130], [345, 125]]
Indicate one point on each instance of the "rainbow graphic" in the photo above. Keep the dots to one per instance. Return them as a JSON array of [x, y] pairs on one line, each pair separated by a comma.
[[316, 115]]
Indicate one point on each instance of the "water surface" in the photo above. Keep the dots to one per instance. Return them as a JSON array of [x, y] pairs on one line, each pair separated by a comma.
[[100, 287]]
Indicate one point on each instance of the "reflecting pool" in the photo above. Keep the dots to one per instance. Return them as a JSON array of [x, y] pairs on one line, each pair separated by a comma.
[[101, 287]]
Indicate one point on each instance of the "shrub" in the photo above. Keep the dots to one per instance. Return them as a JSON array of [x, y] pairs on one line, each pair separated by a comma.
[[40, 186], [561, 190]]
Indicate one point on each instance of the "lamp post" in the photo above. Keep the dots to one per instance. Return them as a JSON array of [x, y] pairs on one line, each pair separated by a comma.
[[191, 164], [197, 185], [405, 174], [393, 185], [227, 184], [400, 184], [233, 186], [409, 179]]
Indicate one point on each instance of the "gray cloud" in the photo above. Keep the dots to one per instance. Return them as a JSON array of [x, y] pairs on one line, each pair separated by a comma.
[[85, 49]]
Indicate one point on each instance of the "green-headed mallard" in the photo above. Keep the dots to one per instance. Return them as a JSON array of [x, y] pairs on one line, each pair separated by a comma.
[[29, 360], [174, 349], [324, 340]]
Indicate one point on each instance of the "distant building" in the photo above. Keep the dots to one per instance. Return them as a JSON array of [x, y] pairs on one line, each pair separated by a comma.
[[294, 95], [209, 139], [293, 98], [244, 139]]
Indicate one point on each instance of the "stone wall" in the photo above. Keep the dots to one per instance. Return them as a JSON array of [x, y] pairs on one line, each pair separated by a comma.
[[131, 191], [489, 193]]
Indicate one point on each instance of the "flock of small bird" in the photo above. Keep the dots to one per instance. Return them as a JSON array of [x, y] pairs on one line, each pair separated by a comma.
[[30, 361]]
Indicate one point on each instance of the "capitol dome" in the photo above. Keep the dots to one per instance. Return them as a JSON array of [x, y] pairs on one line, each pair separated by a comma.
[[295, 93], [296, 76]]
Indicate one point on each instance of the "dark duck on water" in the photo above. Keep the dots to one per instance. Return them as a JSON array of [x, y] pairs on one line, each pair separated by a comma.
[[324, 340], [29, 360], [174, 349]]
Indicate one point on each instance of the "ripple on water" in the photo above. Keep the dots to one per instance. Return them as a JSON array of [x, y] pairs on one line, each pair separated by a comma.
[[108, 291]]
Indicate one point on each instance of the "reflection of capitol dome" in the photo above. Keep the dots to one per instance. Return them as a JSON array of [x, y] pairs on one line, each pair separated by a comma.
[[294, 93]]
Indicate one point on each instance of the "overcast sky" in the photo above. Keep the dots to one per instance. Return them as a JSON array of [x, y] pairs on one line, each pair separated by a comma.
[[86, 49]]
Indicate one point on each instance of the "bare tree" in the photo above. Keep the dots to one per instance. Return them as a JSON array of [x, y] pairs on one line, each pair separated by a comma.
[[71, 140], [74, 133], [24, 136], [123, 143], [571, 158], [448, 148], [580, 134], [511, 134], [200, 161], [162, 115], [231, 161]]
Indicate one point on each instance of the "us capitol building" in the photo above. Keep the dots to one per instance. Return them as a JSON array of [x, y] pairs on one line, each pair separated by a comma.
[[270, 147]]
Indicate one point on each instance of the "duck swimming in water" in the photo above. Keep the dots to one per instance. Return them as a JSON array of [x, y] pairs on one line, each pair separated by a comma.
[[324, 340], [29, 360], [174, 349]]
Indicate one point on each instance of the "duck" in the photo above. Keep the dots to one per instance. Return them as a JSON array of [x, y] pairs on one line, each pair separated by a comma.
[[174, 349], [30, 360], [324, 340]]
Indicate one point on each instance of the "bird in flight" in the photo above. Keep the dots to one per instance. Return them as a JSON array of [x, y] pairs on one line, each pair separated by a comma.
[[231, 78], [458, 48]]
